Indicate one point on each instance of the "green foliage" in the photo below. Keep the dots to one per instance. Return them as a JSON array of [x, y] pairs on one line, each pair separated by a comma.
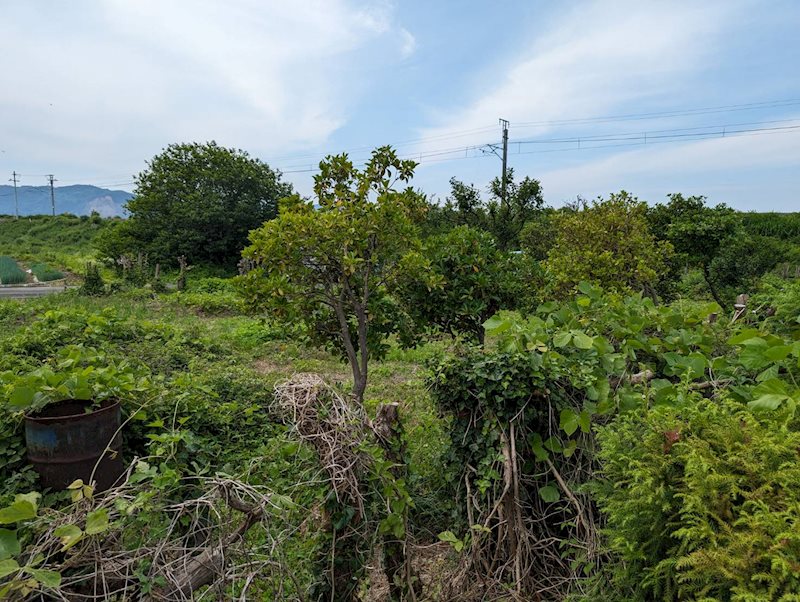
[[76, 372], [19, 581], [327, 263], [538, 235], [503, 219], [470, 280], [10, 272], [197, 200], [783, 226], [608, 243], [782, 296], [742, 260], [702, 502], [45, 273], [64, 241], [93, 284], [697, 233]]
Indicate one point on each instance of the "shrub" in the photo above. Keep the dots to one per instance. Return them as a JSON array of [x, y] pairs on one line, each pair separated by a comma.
[[703, 503], [10, 272], [93, 285]]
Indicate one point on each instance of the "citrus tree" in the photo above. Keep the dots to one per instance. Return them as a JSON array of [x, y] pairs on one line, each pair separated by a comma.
[[607, 242], [328, 262]]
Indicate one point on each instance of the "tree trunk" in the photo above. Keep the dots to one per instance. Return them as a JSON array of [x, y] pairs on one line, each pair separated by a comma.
[[711, 287], [388, 428]]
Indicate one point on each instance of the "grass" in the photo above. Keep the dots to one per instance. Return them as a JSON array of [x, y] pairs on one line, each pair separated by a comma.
[[10, 272]]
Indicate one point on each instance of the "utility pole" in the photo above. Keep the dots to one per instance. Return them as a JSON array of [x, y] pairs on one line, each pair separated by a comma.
[[504, 124], [52, 194], [16, 200]]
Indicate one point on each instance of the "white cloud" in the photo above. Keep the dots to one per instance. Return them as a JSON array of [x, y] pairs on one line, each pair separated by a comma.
[[591, 60], [118, 80], [653, 171], [408, 43]]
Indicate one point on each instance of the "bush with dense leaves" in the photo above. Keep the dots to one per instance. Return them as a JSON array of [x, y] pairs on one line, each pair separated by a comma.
[[702, 501]]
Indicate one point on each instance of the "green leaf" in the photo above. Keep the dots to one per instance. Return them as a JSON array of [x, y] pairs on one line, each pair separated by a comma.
[[743, 336], [582, 340], [51, 579], [21, 397], [584, 421], [549, 494], [537, 446], [7, 567], [450, 537], [778, 353], [568, 421], [767, 402], [97, 521], [496, 325], [562, 339], [9, 544], [69, 536], [16, 512]]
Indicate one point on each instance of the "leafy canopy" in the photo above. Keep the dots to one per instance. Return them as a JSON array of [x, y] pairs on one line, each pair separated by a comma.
[[197, 200], [503, 219], [607, 242], [328, 262], [472, 281]]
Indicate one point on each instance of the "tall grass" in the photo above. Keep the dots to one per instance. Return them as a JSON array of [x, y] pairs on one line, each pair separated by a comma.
[[10, 273]]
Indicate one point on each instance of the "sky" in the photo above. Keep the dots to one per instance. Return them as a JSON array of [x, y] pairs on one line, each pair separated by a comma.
[[648, 96]]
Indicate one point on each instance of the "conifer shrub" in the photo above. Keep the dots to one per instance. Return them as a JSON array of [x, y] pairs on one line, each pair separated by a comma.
[[702, 503], [93, 284]]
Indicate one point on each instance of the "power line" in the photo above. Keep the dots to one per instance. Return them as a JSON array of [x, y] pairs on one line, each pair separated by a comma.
[[773, 104], [770, 104]]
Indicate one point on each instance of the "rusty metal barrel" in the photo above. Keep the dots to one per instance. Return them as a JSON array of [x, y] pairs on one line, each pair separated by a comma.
[[65, 443]]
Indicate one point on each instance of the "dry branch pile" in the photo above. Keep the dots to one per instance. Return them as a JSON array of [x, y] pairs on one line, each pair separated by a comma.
[[197, 550]]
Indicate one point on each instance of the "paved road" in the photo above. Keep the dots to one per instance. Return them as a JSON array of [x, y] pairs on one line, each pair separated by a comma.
[[27, 292]]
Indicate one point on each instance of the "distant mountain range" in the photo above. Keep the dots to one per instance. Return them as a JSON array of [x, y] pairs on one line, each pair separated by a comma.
[[78, 199]]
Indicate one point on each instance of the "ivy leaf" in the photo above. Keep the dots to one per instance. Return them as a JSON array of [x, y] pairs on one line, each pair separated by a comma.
[[537, 446], [584, 421], [9, 544], [745, 335], [568, 421], [97, 521], [51, 579], [450, 537], [549, 494]]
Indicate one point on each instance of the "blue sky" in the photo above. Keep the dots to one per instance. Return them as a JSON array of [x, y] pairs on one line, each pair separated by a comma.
[[94, 89]]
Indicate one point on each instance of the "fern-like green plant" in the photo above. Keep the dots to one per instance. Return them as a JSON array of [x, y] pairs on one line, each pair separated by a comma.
[[703, 503]]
